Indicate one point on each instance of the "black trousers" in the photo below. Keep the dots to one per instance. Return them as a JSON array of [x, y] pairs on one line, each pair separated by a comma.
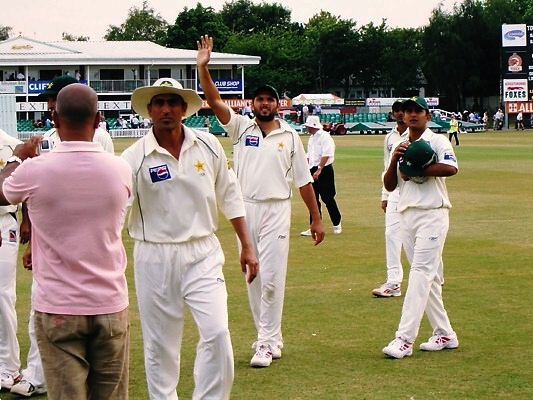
[[324, 188], [451, 135]]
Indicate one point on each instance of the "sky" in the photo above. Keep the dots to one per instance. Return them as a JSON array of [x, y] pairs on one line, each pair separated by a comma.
[[46, 21]]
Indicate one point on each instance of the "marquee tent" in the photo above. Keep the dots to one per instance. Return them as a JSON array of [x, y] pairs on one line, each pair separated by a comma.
[[316, 98]]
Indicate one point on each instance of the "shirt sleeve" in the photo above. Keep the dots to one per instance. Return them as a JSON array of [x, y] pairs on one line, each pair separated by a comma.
[[302, 176], [227, 189], [17, 186]]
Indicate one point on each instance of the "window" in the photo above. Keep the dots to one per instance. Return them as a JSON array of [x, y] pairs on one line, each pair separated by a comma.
[[111, 74], [49, 74]]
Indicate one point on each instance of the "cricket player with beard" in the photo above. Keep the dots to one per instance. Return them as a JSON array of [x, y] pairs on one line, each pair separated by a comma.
[[269, 159]]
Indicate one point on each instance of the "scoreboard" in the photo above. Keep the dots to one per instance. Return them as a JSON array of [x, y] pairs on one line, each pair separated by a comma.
[[517, 62]]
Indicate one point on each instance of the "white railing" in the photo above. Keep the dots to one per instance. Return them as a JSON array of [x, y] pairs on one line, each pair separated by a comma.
[[115, 133]]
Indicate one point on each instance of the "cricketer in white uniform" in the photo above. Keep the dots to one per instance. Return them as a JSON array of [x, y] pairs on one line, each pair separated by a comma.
[[389, 204], [9, 345], [180, 180], [269, 159], [423, 206]]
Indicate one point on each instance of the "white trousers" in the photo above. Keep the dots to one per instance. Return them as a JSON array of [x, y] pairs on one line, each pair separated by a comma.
[[393, 244], [269, 225], [34, 367], [9, 345], [168, 277], [424, 233]]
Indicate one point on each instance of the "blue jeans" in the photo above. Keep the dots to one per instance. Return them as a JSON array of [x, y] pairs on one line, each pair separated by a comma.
[[84, 356]]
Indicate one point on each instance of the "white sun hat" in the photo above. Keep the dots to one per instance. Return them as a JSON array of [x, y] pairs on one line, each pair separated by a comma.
[[142, 96]]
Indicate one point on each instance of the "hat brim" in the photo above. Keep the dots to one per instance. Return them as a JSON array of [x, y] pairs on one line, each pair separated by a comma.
[[47, 94], [142, 96], [406, 103]]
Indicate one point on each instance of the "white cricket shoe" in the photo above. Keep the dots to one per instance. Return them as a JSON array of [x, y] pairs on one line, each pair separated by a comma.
[[388, 290], [398, 348], [8, 379], [337, 229], [276, 353], [26, 388], [306, 233], [440, 342], [262, 356]]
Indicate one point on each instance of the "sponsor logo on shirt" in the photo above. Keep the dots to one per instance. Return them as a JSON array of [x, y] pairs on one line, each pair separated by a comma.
[[159, 173], [450, 156], [252, 141]]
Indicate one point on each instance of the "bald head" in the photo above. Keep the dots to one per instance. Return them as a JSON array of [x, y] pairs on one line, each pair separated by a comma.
[[77, 104]]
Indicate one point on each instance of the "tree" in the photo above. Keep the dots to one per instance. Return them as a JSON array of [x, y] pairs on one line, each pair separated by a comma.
[[461, 54], [72, 38], [5, 32], [333, 51], [243, 16], [193, 23], [282, 64], [141, 24], [401, 62]]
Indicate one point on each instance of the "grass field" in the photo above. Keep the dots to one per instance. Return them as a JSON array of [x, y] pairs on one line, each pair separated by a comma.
[[334, 329]]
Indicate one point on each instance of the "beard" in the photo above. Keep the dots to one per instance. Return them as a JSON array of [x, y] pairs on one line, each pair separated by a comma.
[[264, 118]]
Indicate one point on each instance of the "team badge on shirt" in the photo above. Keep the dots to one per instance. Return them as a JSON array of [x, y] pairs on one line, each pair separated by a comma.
[[252, 141], [450, 156], [159, 173], [200, 167], [13, 236]]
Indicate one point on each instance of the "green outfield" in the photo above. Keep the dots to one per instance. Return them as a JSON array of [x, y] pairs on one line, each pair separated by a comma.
[[334, 329]]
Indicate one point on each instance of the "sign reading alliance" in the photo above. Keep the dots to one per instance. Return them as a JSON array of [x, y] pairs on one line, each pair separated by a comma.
[[517, 62]]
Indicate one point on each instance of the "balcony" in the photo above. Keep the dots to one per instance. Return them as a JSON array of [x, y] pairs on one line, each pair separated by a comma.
[[128, 86]]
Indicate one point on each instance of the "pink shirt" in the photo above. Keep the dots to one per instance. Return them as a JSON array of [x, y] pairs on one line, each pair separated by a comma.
[[76, 196]]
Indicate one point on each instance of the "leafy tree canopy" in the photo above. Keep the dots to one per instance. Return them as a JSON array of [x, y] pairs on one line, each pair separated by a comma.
[[5, 32], [141, 24]]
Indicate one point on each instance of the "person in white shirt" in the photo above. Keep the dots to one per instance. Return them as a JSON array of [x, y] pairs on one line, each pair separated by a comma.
[[389, 204], [180, 181], [419, 166], [9, 345], [269, 159], [320, 156]]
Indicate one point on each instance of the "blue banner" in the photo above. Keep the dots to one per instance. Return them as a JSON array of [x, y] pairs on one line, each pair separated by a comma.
[[225, 85]]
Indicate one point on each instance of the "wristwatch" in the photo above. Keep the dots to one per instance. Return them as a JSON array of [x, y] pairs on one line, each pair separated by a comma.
[[13, 159]]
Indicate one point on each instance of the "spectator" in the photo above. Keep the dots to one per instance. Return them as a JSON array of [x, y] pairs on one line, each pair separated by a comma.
[[82, 290]]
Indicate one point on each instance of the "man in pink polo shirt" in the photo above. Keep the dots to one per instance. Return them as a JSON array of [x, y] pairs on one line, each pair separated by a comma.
[[79, 260]]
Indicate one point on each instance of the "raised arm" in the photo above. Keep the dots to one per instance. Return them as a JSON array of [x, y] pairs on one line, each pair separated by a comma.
[[221, 110]]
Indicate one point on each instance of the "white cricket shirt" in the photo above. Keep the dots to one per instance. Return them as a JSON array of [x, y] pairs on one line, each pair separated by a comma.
[[433, 193], [391, 141], [175, 201], [267, 167]]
